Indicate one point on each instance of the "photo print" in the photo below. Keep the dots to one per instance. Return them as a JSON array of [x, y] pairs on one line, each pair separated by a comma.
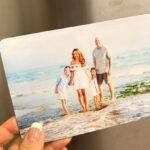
[[80, 79]]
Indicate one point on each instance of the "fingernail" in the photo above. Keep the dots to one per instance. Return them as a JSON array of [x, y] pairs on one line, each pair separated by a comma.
[[34, 134]]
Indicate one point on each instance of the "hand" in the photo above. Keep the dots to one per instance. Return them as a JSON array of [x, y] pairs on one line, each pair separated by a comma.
[[56, 91], [109, 72], [34, 140], [72, 83], [90, 79]]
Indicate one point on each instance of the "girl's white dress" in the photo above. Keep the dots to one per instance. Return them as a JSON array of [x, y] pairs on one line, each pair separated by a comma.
[[94, 87], [80, 78]]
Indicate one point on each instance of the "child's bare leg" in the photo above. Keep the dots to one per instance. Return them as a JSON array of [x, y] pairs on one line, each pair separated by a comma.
[[63, 101], [85, 99], [80, 100], [96, 102]]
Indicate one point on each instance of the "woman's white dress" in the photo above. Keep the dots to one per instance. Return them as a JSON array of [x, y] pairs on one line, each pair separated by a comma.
[[80, 79]]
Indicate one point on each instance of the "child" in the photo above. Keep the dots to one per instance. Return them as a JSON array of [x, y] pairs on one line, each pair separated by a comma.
[[61, 88], [94, 88]]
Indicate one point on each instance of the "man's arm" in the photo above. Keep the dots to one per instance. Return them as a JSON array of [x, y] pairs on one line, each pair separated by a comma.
[[110, 64], [86, 72], [108, 55], [94, 61]]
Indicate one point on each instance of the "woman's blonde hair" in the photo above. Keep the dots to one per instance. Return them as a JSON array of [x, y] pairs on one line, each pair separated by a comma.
[[81, 57]]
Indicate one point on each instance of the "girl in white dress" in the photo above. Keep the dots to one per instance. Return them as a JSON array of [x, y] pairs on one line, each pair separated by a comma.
[[94, 88], [80, 77]]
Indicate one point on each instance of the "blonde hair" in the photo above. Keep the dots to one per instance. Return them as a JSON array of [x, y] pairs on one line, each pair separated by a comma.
[[81, 57]]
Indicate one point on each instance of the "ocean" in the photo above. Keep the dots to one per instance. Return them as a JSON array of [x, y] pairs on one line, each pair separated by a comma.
[[32, 91]]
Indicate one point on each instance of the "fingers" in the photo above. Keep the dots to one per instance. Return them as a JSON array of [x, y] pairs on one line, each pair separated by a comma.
[[16, 144], [57, 145], [34, 140], [8, 130]]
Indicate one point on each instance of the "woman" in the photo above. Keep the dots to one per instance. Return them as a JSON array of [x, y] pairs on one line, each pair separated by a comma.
[[79, 77]]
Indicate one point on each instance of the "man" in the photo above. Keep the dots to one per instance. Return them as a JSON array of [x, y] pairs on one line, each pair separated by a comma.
[[102, 63]]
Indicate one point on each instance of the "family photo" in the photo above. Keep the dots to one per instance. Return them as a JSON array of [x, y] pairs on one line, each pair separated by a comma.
[[77, 75], [80, 79]]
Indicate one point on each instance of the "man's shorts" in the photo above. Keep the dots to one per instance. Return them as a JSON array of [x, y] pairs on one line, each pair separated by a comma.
[[101, 77]]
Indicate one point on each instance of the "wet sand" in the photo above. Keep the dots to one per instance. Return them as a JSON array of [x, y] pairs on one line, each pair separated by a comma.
[[125, 110]]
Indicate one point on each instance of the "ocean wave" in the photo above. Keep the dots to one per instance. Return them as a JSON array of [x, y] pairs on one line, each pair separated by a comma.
[[16, 95], [41, 91], [132, 72], [41, 72]]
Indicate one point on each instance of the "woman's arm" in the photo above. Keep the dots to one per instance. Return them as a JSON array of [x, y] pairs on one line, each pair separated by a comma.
[[71, 78], [72, 75], [90, 78]]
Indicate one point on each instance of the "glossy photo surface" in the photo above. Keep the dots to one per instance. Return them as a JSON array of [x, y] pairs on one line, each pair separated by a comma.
[[45, 78]]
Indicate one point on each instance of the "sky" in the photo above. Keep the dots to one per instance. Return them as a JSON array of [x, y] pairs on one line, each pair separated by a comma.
[[55, 47]]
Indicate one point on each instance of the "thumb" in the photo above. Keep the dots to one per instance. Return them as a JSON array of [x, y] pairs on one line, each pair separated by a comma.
[[34, 140]]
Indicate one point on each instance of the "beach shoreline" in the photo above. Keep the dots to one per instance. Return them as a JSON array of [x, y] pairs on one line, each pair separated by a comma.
[[125, 110]]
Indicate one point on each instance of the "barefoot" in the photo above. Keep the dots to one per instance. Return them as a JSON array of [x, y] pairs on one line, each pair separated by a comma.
[[87, 109], [104, 105], [97, 106], [102, 102], [112, 101], [83, 109], [66, 113]]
